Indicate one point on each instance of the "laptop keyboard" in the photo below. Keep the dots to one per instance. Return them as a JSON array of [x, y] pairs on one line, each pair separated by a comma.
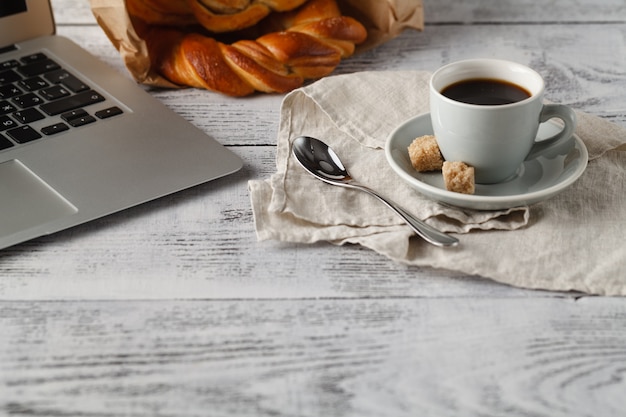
[[39, 98]]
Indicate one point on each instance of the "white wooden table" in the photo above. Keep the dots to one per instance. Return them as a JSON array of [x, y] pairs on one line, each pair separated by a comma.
[[174, 309]]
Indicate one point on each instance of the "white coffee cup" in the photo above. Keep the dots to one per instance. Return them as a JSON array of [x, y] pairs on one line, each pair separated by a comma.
[[493, 138]]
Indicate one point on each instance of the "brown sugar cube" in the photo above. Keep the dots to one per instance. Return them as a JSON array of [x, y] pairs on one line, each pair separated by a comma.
[[424, 154], [458, 177]]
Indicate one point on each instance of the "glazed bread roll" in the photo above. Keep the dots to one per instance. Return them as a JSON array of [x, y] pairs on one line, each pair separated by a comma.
[[215, 15], [297, 40]]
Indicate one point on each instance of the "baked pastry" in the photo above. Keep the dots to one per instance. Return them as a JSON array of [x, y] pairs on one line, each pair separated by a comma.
[[162, 12], [424, 154], [230, 15], [215, 15], [293, 46], [458, 177]]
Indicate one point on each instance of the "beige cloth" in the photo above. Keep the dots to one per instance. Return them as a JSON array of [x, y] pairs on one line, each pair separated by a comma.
[[573, 241]]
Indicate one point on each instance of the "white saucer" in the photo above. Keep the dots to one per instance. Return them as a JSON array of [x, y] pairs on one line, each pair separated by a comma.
[[537, 179]]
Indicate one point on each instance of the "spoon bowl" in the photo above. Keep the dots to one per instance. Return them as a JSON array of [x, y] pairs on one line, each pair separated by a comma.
[[320, 160], [323, 163]]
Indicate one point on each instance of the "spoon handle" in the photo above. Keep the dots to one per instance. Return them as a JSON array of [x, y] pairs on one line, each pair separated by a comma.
[[424, 230]]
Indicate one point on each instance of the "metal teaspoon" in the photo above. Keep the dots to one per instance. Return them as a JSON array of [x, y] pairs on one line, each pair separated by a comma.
[[323, 163]]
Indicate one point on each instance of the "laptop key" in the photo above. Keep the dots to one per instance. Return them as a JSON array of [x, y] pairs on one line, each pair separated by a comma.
[[9, 76], [6, 107], [5, 143], [33, 84], [7, 123], [78, 118], [12, 63], [38, 68], [74, 84], [68, 80], [72, 102], [55, 128], [28, 100], [74, 114], [9, 90], [109, 112], [28, 115], [38, 56], [54, 93], [81, 121], [23, 134]]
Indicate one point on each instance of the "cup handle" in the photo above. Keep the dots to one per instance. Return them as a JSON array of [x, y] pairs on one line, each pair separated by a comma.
[[559, 111]]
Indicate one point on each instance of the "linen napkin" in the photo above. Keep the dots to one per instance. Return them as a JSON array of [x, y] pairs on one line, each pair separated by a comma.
[[572, 241]]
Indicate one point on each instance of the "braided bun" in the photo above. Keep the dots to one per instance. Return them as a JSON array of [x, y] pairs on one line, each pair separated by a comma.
[[306, 43], [161, 12], [229, 15], [217, 16]]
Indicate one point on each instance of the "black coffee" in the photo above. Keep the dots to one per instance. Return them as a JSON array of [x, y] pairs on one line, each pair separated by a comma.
[[486, 92]]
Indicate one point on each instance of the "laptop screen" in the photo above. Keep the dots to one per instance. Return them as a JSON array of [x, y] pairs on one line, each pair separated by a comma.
[[9, 8], [21, 20]]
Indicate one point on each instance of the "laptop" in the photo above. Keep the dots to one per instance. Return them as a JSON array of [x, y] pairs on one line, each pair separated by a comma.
[[79, 140]]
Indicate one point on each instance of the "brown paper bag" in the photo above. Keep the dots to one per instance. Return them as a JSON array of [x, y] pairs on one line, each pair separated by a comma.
[[383, 19]]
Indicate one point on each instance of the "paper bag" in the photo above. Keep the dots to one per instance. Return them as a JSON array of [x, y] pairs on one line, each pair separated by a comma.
[[383, 19]]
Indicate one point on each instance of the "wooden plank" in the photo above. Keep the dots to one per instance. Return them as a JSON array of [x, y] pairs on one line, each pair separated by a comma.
[[524, 11], [74, 12], [383, 357]]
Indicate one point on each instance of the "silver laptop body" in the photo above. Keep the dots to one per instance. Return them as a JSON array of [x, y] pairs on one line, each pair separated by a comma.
[[134, 150]]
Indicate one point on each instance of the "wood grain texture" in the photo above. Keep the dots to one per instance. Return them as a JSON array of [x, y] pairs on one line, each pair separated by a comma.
[[174, 309], [392, 357]]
